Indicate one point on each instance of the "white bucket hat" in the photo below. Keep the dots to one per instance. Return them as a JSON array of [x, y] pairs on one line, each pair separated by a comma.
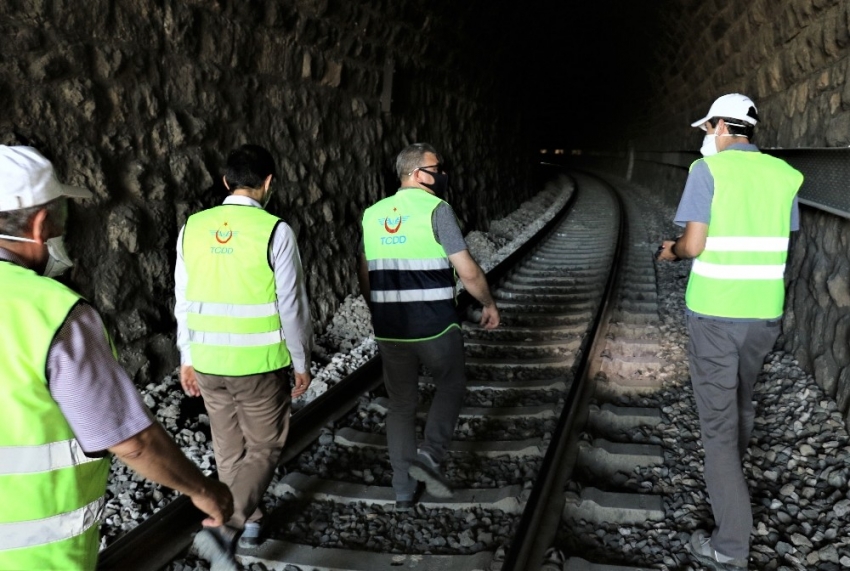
[[27, 179], [733, 106]]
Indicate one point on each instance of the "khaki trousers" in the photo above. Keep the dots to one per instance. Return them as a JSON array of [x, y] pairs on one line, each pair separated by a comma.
[[249, 418]]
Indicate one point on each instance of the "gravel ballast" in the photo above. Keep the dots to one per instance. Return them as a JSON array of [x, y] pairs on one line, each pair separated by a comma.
[[345, 345]]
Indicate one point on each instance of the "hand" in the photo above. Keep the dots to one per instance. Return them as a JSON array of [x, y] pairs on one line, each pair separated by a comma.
[[189, 381], [302, 381], [216, 501], [489, 317], [666, 251]]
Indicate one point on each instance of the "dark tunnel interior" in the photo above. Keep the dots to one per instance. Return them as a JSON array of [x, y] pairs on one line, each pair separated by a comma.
[[590, 67], [141, 100]]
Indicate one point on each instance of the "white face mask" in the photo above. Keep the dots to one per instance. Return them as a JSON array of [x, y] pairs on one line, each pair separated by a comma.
[[709, 145], [58, 261]]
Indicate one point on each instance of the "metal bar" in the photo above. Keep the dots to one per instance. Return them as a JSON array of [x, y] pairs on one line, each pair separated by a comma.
[[170, 529], [552, 468], [826, 171]]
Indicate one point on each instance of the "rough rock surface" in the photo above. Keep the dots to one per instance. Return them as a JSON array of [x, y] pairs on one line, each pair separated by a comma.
[[141, 101]]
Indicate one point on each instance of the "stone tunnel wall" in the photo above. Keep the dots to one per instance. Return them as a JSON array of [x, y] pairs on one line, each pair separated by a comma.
[[141, 100], [793, 58]]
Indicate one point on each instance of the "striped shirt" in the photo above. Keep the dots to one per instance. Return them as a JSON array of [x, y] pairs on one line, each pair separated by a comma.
[[94, 393]]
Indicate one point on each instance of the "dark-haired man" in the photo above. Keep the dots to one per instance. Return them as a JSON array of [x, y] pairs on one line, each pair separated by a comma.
[[412, 249], [66, 400], [738, 207], [242, 319]]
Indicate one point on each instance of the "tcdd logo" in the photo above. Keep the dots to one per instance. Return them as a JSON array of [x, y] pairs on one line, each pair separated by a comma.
[[389, 240], [392, 225], [224, 233], [220, 250]]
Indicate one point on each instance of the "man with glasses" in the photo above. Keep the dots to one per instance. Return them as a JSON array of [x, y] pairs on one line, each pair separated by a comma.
[[242, 319], [412, 251]]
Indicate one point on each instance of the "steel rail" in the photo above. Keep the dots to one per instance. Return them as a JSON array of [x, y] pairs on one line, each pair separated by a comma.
[[170, 529], [533, 534]]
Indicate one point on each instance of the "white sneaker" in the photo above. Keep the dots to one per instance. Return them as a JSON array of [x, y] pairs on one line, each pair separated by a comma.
[[250, 538]]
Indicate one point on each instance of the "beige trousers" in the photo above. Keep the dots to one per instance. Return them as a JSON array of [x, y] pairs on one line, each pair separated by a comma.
[[249, 418]]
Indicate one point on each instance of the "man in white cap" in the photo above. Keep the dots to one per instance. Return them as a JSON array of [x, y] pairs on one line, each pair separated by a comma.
[[66, 400], [738, 208]]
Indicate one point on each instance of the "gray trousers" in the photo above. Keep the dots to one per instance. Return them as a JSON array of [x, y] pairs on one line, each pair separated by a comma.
[[725, 360], [444, 358], [249, 418]]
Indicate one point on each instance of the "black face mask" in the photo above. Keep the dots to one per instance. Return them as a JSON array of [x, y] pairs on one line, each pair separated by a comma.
[[440, 184]]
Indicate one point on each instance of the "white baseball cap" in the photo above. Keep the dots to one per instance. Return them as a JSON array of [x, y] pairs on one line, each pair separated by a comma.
[[27, 179], [733, 106]]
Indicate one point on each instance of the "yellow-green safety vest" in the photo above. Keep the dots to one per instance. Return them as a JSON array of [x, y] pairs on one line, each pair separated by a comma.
[[740, 274], [412, 283], [51, 493], [233, 320]]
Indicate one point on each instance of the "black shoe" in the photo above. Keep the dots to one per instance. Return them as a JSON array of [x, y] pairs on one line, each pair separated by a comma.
[[404, 506], [426, 470], [215, 544]]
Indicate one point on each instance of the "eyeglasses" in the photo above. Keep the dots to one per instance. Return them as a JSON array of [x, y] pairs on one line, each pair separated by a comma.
[[438, 166]]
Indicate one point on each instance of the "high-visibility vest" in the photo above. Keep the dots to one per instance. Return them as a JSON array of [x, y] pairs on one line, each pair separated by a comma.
[[740, 274], [411, 282], [233, 320], [51, 493]]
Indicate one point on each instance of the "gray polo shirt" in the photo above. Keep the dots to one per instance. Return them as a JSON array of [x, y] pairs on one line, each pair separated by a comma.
[[695, 206]]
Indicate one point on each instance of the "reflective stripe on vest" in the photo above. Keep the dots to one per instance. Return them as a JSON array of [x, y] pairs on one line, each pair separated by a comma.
[[52, 493], [43, 458], [411, 280], [232, 316], [230, 310], [409, 265], [412, 295], [745, 244], [740, 272], [60, 527], [235, 339]]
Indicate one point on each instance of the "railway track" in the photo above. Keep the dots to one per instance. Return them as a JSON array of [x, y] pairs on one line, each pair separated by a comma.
[[333, 505], [605, 489]]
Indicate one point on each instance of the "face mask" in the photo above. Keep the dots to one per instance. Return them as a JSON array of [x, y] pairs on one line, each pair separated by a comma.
[[58, 261], [440, 184], [709, 145], [266, 199]]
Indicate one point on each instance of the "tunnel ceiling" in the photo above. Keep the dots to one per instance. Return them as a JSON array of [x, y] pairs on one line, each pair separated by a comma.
[[590, 65]]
